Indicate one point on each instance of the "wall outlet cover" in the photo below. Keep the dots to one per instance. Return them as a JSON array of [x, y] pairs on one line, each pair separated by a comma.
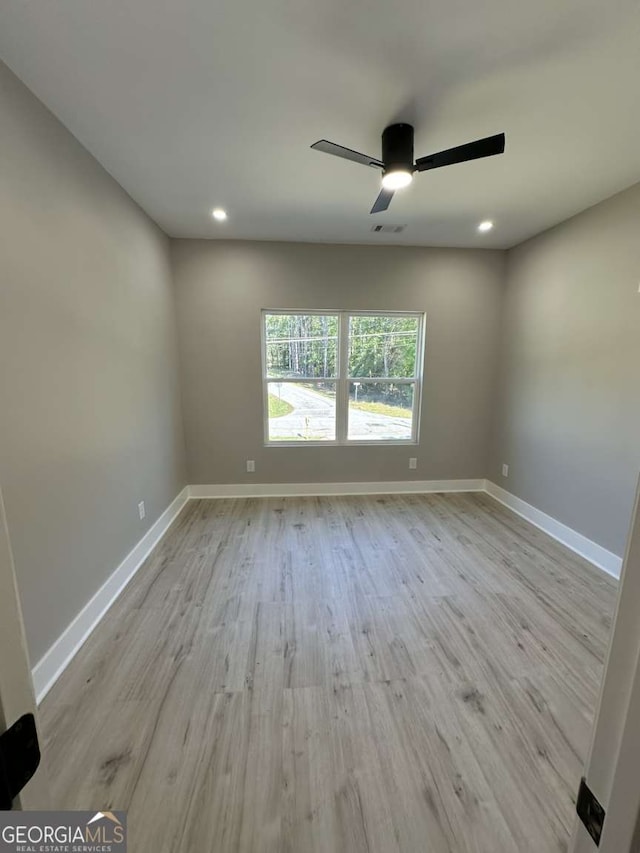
[[413, 463], [505, 470], [141, 510], [251, 466]]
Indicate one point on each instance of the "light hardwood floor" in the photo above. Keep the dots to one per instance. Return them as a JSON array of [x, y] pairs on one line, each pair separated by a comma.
[[407, 673]]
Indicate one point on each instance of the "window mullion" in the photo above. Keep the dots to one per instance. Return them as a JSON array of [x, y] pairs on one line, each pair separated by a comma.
[[342, 390]]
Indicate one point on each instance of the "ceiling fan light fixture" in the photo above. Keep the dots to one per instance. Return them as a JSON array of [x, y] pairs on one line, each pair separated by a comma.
[[397, 163], [396, 179]]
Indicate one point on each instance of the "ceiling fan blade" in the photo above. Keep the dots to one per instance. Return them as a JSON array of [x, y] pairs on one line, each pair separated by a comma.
[[346, 153], [471, 151], [383, 201]]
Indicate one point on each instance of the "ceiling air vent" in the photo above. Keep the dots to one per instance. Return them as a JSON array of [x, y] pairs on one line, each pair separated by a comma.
[[388, 229]]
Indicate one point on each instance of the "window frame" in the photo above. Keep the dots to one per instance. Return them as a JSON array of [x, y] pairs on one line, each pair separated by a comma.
[[342, 378]]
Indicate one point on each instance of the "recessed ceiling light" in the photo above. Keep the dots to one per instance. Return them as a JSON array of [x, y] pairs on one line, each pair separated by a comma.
[[219, 214], [487, 225], [397, 179]]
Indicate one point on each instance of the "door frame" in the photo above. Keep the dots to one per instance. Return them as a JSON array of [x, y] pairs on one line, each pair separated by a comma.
[[614, 756], [17, 696]]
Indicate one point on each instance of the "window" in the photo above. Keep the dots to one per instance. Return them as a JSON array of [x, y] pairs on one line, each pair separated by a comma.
[[342, 378]]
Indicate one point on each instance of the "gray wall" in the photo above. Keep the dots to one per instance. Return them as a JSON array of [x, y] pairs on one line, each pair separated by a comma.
[[90, 418], [568, 418], [221, 288]]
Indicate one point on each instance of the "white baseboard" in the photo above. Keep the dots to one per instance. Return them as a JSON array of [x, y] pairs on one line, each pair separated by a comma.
[[281, 490], [50, 667], [591, 551]]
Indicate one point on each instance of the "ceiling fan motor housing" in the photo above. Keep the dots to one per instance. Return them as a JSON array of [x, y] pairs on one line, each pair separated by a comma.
[[397, 148]]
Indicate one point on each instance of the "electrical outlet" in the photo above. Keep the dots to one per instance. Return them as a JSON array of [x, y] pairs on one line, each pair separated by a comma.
[[505, 469], [141, 510], [251, 466], [413, 463]]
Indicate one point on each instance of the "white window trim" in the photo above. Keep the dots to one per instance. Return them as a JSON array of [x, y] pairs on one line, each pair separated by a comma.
[[342, 380]]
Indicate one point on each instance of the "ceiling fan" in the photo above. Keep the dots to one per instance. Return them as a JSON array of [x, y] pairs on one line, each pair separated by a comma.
[[397, 158]]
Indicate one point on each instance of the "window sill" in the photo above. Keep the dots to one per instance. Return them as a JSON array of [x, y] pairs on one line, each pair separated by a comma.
[[398, 443]]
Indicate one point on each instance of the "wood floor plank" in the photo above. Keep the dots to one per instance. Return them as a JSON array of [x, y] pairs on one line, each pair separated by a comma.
[[375, 673]]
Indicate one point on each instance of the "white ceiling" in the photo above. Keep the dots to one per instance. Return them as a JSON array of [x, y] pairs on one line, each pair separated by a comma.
[[191, 104]]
